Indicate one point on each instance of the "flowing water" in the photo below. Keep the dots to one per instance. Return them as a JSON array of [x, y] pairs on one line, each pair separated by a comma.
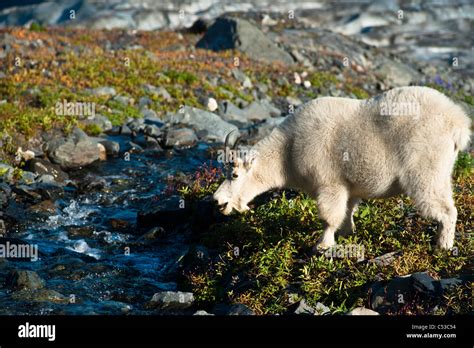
[[100, 270]]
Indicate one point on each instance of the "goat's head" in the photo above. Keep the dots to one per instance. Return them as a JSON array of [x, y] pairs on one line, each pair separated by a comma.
[[237, 189]]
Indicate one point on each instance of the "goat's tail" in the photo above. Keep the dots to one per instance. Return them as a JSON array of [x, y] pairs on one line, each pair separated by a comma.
[[461, 132]]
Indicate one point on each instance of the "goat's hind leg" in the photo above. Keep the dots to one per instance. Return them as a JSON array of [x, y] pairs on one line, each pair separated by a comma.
[[332, 207], [438, 204], [348, 226]]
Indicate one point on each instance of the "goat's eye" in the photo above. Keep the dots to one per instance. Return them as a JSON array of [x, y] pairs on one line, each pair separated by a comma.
[[235, 176]]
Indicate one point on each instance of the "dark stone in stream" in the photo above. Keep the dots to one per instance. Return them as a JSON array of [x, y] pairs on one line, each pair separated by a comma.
[[119, 225], [92, 183], [49, 191], [168, 212], [155, 234], [24, 279], [40, 295], [44, 167], [44, 208], [80, 231]]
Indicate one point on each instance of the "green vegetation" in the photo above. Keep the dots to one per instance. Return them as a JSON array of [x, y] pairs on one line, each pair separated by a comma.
[[263, 256]]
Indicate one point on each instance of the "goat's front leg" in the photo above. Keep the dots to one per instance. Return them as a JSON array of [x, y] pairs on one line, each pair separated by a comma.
[[348, 226], [332, 207]]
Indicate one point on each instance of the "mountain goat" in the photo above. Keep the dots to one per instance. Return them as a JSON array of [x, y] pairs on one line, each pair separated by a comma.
[[340, 150]]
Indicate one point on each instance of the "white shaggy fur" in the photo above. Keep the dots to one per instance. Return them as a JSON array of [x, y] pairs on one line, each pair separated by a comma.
[[341, 150]]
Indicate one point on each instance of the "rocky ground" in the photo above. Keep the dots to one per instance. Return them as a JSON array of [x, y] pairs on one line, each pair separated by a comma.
[[119, 201]]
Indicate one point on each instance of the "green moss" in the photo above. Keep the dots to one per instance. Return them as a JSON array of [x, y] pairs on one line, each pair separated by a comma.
[[469, 99], [92, 129], [322, 79], [35, 26]]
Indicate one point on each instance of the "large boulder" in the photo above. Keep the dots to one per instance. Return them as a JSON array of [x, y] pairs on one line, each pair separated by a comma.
[[208, 125], [235, 33], [75, 151]]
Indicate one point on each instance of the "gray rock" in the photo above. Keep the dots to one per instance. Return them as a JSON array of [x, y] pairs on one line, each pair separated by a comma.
[[148, 113], [144, 102], [393, 295], [386, 259], [112, 148], [124, 100], [43, 167], [180, 137], [423, 282], [209, 125], [229, 112], [152, 131], [362, 311], [103, 91], [172, 300], [234, 33], [265, 128], [396, 74], [75, 151], [261, 110], [99, 120], [158, 91], [242, 78], [304, 308], [23, 279]]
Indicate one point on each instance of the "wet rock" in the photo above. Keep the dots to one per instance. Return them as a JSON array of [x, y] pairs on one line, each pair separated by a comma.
[[234, 309], [152, 131], [172, 300], [304, 308], [75, 232], [180, 138], [51, 191], [125, 130], [166, 212], [43, 167], [44, 208], [41, 295], [27, 178], [156, 234], [234, 33], [92, 183], [119, 224], [362, 311], [209, 125], [75, 151], [24, 279]]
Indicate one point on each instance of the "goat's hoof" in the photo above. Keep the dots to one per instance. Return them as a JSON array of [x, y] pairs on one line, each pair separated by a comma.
[[320, 248]]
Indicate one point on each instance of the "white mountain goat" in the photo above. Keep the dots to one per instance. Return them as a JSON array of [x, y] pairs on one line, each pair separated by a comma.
[[340, 150]]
